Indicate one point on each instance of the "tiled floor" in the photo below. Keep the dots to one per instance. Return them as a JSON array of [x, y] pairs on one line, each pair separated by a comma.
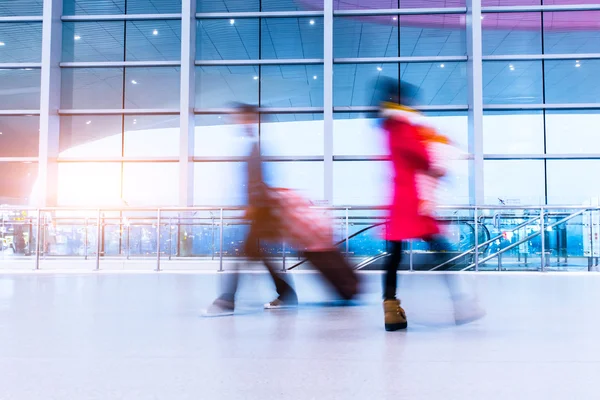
[[139, 336]]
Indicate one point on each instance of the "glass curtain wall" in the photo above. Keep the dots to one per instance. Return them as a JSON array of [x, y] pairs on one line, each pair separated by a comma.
[[122, 75]]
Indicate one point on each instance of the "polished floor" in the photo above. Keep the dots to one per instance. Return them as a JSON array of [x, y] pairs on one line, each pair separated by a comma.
[[140, 336]]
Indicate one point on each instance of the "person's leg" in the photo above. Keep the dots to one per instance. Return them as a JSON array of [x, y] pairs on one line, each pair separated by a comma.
[[394, 315], [286, 295], [334, 267], [391, 271], [463, 295]]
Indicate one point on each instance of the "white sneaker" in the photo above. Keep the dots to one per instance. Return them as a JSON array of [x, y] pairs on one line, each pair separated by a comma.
[[219, 308], [467, 311], [281, 304]]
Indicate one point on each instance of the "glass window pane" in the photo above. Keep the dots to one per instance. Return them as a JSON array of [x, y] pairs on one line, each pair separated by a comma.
[[513, 132], [155, 87], [572, 131], [20, 42], [291, 38], [453, 124], [291, 5], [364, 183], [89, 184], [512, 33], [93, 41], [93, 88], [153, 40], [151, 136], [432, 35], [219, 136], [364, 37], [21, 8], [20, 89], [228, 5], [512, 82], [495, 3], [514, 181], [151, 184], [227, 39], [19, 136], [572, 181], [572, 81], [292, 86], [291, 135], [104, 41], [18, 182], [305, 177], [387, 4], [438, 83], [221, 86], [100, 7], [571, 32], [90, 136], [358, 134], [209, 189]]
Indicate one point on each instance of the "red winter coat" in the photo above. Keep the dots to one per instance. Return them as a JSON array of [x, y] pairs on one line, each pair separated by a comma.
[[409, 158]]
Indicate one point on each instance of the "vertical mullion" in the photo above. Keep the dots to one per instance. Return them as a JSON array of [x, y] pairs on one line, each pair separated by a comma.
[[50, 95], [475, 91], [544, 110], [187, 122], [328, 101]]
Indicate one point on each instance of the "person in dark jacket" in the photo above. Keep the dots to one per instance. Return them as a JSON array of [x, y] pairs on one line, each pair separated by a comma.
[[261, 218]]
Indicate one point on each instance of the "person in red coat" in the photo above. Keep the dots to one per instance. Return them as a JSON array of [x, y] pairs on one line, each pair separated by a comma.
[[416, 177]]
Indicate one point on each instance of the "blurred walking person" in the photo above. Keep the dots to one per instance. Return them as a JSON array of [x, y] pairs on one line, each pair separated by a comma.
[[415, 155], [261, 216]]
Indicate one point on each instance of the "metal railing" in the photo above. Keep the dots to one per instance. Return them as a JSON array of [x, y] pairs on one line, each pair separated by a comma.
[[39, 220]]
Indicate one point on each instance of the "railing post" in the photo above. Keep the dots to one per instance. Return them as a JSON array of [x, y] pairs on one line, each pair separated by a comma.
[[98, 240], [543, 237], [85, 240], [284, 249], [476, 225], [37, 241], [410, 255], [221, 241], [158, 240], [170, 238], [347, 233]]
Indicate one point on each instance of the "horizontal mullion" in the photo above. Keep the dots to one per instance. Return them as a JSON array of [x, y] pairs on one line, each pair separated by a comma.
[[420, 108], [381, 60], [540, 8], [21, 19], [262, 110], [117, 159], [119, 17], [119, 64], [401, 11], [26, 160], [119, 111], [568, 156], [295, 61], [200, 159], [16, 113], [361, 158], [573, 106], [535, 57], [259, 14], [20, 65]]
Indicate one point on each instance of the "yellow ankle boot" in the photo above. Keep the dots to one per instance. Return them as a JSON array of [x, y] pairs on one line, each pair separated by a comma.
[[394, 316]]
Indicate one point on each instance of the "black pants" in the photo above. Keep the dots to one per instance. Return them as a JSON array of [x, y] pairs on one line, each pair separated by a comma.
[[284, 289], [390, 282]]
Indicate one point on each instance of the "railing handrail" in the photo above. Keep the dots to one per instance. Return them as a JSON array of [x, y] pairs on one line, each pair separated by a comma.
[[324, 208]]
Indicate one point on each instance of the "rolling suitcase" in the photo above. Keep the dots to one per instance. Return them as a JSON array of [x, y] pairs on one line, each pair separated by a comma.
[[310, 231]]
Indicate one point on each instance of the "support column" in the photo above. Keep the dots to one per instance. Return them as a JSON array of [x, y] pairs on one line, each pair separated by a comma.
[[187, 124], [50, 103], [475, 98], [187, 103], [328, 102]]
